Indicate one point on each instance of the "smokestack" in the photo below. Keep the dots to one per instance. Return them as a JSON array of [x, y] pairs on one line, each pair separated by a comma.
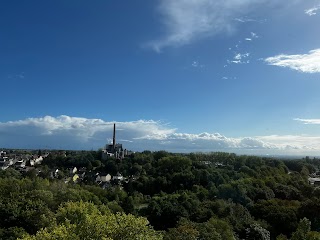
[[114, 137]]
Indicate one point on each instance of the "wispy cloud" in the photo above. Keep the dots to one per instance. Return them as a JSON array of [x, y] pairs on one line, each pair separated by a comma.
[[196, 64], [189, 20], [240, 58], [254, 35], [308, 121], [228, 78], [246, 19], [16, 76], [312, 11], [306, 63], [65, 132]]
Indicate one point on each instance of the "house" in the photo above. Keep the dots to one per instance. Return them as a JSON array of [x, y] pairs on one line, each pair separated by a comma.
[[4, 165], [2, 154], [118, 177], [314, 181], [8, 160], [73, 170], [315, 174], [75, 178], [82, 172], [20, 164], [38, 160], [103, 178], [54, 173]]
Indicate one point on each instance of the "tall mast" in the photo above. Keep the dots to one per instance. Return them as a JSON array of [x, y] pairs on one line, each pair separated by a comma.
[[114, 137]]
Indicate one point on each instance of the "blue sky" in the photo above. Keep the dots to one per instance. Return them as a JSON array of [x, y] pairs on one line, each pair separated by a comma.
[[184, 75]]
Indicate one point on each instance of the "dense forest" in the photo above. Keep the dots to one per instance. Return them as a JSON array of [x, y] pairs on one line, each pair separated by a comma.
[[218, 196]]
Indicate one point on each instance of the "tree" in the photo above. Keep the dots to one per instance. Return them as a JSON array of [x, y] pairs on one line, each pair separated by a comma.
[[310, 209], [82, 220], [302, 230], [256, 232], [185, 231], [96, 163], [214, 229], [282, 237], [11, 233], [10, 173], [280, 214]]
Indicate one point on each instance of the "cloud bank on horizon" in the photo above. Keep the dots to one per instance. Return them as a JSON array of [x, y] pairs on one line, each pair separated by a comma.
[[65, 132]]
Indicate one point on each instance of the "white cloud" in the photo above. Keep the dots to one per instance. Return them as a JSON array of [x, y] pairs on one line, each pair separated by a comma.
[[307, 63], [72, 132], [240, 58], [312, 11], [308, 121], [196, 64], [254, 35], [298, 143], [245, 20], [188, 20], [64, 132]]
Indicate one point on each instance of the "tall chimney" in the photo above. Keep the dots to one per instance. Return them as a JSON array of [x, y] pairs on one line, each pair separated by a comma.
[[114, 137]]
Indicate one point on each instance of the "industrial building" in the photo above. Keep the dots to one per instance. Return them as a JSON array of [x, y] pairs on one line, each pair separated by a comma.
[[115, 149]]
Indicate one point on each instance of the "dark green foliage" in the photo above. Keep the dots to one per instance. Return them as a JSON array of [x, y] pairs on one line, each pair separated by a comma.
[[189, 196], [213, 229], [256, 232], [282, 215], [311, 210], [10, 173]]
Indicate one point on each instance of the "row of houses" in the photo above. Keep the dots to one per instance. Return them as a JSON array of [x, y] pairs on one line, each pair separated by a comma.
[[19, 161], [27, 162], [75, 175]]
